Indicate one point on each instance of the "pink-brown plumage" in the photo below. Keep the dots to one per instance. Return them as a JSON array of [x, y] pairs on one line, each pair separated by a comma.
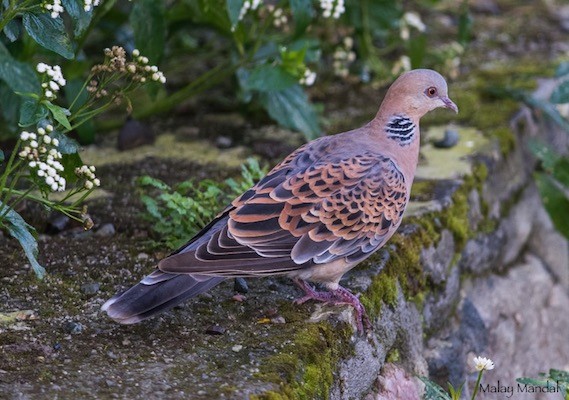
[[327, 206]]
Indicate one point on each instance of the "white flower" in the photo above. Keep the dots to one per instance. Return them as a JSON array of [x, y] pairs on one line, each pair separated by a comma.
[[88, 185], [49, 128], [414, 20], [482, 363], [308, 78], [332, 8], [33, 144], [55, 143], [41, 131], [24, 135], [136, 53], [47, 139], [41, 68]]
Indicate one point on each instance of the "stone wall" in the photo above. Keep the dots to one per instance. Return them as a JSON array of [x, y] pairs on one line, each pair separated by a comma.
[[501, 292]]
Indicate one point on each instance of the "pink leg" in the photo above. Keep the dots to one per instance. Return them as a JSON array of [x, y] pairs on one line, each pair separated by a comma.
[[338, 296]]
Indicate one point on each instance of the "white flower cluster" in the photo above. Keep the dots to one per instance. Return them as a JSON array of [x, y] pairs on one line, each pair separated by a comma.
[[40, 150], [88, 172], [157, 76], [482, 363], [413, 20], [343, 57], [54, 8], [308, 78], [88, 5], [279, 17], [248, 5], [55, 79], [332, 8]]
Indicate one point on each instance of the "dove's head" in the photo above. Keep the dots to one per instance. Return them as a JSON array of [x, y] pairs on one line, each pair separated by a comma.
[[417, 92]]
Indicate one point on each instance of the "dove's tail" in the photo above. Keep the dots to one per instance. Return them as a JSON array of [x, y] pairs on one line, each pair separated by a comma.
[[156, 293]]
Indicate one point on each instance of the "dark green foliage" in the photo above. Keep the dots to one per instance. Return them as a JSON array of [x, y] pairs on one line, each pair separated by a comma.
[[554, 380], [177, 213]]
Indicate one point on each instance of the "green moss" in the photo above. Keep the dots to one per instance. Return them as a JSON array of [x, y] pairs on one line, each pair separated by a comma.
[[305, 368], [393, 356], [423, 190]]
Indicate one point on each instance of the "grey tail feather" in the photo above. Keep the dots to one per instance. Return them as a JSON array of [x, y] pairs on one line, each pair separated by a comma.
[[147, 299]]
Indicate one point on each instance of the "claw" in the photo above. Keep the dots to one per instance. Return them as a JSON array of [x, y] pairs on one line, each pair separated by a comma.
[[339, 296]]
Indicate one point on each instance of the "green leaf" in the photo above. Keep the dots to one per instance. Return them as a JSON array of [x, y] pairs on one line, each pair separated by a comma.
[[302, 13], [59, 114], [149, 27], [79, 17], [70, 162], [433, 391], [10, 108], [66, 144], [544, 153], [12, 30], [561, 171], [19, 76], [562, 70], [560, 94], [24, 233], [31, 112], [291, 109], [233, 11], [555, 201], [49, 33], [267, 78]]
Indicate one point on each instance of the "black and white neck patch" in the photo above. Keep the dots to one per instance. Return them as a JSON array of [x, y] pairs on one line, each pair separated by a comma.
[[401, 129]]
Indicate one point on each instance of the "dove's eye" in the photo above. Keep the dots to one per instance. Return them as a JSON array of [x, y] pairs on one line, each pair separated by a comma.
[[431, 92]]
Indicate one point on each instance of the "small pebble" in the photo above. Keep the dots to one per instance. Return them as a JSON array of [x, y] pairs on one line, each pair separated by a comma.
[[239, 298], [126, 342], [106, 230], [278, 320], [41, 359], [201, 392], [73, 327], [142, 256], [90, 288], [134, 134], [111, 355], [57, 223], [57, 346], [449, 140], [237, 348], [223, 142], [240, 286], [215, 330]]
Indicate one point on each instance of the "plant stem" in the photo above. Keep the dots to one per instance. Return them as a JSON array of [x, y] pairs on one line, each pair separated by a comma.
[[477, 385]]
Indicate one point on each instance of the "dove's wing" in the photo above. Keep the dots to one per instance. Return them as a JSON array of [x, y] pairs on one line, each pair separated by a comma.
[[313, 208]]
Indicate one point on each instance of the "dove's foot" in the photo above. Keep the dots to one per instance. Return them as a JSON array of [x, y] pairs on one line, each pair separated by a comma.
[[339, 296]]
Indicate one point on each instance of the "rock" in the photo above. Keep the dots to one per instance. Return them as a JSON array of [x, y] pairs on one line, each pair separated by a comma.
[[240, 285], [73, 327], [134, 134], [215, 330], [90, 288], [396, 384], [56, 223], [223, 142], [436, 261], [237, 348], [106, 230], [449, 140]]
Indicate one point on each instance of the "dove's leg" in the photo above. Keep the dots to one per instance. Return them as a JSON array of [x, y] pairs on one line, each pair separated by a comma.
[[338, 296]]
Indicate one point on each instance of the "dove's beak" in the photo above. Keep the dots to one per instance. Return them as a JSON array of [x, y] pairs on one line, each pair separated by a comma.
[[449, 104]]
